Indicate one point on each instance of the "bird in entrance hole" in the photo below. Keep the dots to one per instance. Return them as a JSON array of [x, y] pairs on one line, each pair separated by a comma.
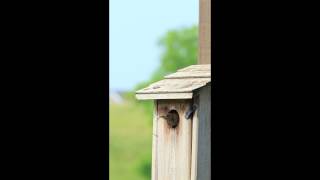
[[172, 118]]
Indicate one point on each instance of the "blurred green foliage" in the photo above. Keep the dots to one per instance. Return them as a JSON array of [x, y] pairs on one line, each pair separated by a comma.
[[179, 49]]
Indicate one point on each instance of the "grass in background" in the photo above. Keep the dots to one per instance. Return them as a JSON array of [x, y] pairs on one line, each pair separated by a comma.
[[130, 142]]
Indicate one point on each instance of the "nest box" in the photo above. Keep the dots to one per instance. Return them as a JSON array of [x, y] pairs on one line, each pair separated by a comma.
[[181, 124]]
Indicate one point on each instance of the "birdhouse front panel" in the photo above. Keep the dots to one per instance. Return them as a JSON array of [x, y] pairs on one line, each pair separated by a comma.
[[172, 140]]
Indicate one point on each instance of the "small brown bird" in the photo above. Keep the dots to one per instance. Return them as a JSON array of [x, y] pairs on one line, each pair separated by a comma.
[[172, 118]]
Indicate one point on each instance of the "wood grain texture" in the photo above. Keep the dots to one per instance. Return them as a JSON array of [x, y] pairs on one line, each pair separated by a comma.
[[205, 32], [154, 142], [201, 136], [179, 85], [194, 146], [173, 145], [184, 85]]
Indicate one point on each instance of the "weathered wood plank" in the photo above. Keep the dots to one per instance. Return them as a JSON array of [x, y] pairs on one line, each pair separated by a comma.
[[154, 142], [186, 80], [173, 145], [194, 151], [197, 67], [175, 85], [201, 136], [164, 96], [205, 32], [194, 74]]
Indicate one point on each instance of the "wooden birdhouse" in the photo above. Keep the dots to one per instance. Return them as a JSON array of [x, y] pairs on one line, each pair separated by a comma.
[[181, 124]]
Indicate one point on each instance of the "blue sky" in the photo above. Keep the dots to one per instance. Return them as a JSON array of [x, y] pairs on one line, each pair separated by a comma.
[[135, 29]]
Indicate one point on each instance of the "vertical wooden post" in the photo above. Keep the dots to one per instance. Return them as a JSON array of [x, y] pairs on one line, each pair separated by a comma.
[[204, 56], [201, 127]]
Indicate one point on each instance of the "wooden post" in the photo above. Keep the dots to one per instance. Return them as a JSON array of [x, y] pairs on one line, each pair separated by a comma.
[[201, 128], [205, 32]]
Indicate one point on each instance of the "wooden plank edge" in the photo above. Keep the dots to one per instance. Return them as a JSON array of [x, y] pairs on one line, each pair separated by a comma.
[[196, 67], [154, 170], [175, 76], [164, 96], [194, 146]]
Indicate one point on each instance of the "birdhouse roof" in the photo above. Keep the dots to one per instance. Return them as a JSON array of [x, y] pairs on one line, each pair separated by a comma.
[[179, 85]]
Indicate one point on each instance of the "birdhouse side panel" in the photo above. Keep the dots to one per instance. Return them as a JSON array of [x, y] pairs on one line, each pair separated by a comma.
[[201, 136]]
